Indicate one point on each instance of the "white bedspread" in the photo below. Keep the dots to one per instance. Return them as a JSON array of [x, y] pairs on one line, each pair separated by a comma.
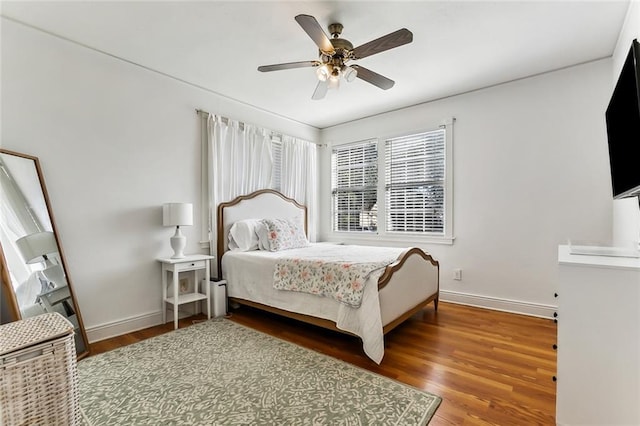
[[249, 276]]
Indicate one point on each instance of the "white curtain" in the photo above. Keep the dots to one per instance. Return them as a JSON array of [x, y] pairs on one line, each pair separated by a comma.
[[239, 162], [299, 178]]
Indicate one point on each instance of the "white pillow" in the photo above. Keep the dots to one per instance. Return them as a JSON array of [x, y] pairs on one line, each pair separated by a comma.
[[263, 237], [243, 235]]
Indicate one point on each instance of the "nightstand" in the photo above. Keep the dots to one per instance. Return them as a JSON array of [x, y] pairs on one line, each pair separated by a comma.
[[195, 263]]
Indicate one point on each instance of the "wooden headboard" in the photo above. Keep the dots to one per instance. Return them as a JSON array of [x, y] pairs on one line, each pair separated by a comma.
[[262, 204]]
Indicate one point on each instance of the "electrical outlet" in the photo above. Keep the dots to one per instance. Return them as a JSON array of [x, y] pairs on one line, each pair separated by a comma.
[[457, 274], [184, 285]]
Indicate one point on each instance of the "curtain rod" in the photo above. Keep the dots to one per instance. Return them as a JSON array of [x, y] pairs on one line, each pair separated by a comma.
[[226, 119], [273, 133]]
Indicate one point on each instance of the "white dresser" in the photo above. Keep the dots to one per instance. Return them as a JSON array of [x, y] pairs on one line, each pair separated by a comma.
[[598, 376]]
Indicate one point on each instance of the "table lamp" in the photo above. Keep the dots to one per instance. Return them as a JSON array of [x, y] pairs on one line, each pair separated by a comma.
[[177, 214], [37, 247]]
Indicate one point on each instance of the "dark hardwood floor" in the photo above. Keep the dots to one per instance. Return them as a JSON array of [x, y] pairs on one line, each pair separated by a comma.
[[490, 368]]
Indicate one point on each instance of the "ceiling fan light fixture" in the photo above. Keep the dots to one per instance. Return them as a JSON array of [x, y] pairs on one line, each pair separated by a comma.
[[334, 80], [349, 73], [323, 72], [334, 83]]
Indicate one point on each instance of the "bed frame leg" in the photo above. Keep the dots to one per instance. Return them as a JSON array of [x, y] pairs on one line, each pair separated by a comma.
[[435, 304]]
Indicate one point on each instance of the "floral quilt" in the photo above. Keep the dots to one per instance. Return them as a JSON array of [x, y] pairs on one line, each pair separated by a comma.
[[339, 280]]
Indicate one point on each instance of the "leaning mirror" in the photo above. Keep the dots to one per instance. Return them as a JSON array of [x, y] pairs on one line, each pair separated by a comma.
[[35, 279]]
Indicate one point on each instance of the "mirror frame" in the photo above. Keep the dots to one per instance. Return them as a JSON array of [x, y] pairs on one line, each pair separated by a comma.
[[6, 290], [7, 286]]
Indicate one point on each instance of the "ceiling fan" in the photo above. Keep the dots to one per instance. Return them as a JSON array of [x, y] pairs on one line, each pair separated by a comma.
[[336, 52]]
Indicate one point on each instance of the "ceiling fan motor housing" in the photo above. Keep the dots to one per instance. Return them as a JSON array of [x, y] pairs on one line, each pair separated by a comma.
[[335, 29], [342, 46]]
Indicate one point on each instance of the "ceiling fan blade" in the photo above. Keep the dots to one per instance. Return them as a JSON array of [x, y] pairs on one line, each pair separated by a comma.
[[394, 39], [321, 90], [288, 65], [314, 30], [373, 77]]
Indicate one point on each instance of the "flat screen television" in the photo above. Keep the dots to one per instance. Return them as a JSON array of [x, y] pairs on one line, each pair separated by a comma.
[[623, 128]]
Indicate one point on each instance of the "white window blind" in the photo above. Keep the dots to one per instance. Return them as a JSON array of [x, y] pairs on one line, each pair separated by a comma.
[[415, 183], [276, 174], [354, 181]]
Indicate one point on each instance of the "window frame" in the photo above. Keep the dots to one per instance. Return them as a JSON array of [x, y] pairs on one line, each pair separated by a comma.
[[361, 143], [447, 237]]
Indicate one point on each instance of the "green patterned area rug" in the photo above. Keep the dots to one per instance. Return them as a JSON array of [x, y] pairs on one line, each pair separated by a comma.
[[221, 373]]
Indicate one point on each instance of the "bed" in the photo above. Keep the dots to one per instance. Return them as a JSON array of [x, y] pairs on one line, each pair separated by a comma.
[[399, 282]]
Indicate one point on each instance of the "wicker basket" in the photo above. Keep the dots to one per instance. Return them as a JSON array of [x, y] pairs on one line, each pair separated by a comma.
[[38, 372]]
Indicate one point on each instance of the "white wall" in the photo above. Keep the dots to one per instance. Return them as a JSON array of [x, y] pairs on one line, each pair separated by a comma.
[[115, 142], [530, 172]]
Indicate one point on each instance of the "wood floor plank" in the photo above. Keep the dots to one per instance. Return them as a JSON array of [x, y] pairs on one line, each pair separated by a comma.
[[490, 368]]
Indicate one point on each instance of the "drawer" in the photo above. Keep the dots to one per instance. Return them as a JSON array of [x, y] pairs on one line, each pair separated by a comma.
[[190, 266]]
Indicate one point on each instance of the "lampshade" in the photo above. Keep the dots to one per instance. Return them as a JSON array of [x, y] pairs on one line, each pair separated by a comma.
[[34, 247], [177, 214], [349, 73], [334, 81], [323, 72]]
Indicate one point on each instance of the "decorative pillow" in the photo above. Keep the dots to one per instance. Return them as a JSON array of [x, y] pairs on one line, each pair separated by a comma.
[[243, 235], [283, 234]]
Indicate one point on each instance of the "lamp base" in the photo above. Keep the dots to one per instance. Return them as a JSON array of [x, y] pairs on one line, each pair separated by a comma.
[[178, 243]]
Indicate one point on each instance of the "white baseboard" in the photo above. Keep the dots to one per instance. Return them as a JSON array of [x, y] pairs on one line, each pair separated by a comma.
[[129, 325], [505, 305], [120, 327]]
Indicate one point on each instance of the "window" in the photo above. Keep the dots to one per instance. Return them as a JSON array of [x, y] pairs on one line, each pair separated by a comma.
[[415, 190], [276, 174], [354, 182], [415, 183]]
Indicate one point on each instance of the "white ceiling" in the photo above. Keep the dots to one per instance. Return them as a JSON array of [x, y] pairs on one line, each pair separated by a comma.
[[457, 46]]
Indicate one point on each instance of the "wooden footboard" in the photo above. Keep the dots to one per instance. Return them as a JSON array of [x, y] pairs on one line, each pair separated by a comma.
[[414, 276]]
